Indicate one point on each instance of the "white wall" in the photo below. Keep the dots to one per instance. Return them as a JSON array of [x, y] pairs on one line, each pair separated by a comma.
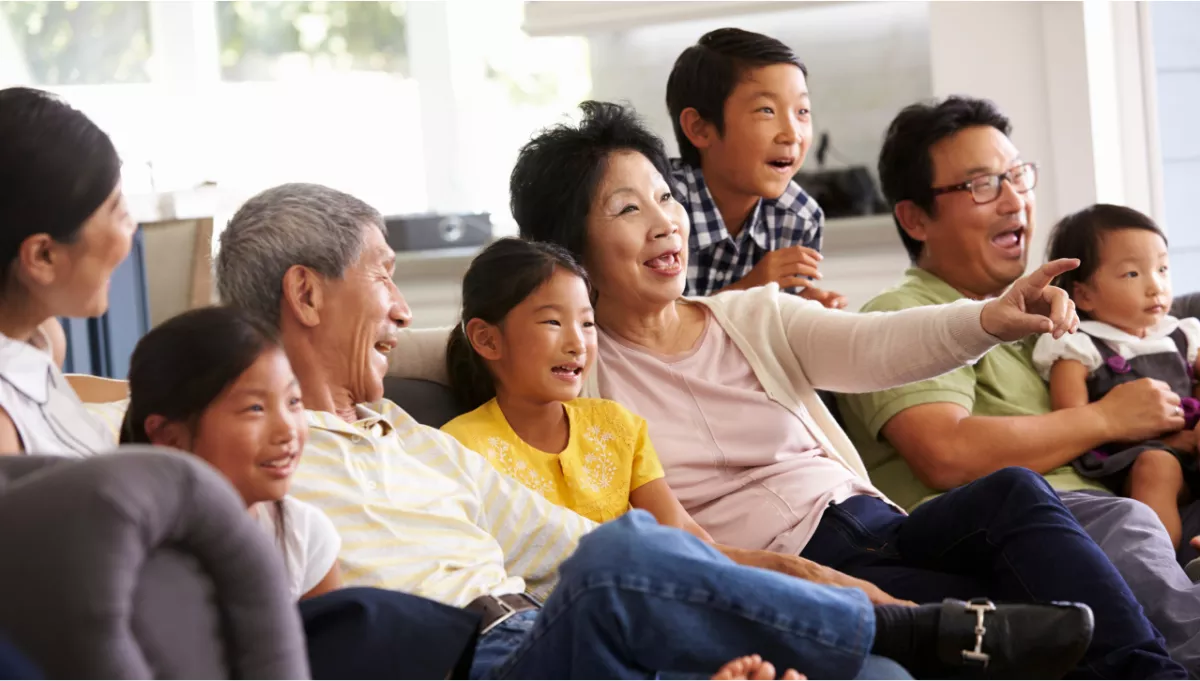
[[1175, 30], [972, 53]]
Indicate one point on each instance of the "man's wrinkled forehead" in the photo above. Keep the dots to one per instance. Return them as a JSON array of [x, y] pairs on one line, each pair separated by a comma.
[[972, 152]]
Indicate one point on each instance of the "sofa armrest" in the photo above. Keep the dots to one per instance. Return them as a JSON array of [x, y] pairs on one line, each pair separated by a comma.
[[106, 554]]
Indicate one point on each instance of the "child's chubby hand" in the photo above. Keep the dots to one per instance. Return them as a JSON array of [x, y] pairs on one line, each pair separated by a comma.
[[830, 299], [789, 267], [1185, 440]]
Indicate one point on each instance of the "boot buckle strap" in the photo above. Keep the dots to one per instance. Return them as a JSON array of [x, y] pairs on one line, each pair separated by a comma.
[[976, 657]]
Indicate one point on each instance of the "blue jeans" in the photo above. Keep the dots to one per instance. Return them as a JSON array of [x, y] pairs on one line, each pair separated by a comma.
[[638, 599], [1006, 536]]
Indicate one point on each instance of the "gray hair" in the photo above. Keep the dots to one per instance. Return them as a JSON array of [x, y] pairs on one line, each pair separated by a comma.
[[292, 224]]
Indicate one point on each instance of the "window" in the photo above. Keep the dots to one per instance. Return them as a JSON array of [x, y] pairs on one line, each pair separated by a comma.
[[409, 106], [528, 83], [79, 43], [272, 40], [1177, 66]]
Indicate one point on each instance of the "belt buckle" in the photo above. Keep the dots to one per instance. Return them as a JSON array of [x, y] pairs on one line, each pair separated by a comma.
[[976, 657], [507, 612]]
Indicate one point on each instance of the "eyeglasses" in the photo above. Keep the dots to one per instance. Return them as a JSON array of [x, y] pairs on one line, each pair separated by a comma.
[[986, 188]]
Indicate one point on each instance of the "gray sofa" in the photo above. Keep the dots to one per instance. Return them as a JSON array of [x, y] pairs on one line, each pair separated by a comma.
[[1187, 306], [140, 564]]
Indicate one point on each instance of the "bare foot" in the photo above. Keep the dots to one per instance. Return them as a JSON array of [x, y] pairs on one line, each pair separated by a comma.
[[753, 667]]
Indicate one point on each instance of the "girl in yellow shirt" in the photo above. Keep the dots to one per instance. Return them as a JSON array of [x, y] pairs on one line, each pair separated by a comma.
[[517, 359]]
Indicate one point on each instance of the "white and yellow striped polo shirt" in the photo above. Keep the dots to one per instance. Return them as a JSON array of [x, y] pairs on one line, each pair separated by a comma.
[[420, 513]]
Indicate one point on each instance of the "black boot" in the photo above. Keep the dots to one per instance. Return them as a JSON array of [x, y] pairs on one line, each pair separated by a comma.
[[1012, 641]]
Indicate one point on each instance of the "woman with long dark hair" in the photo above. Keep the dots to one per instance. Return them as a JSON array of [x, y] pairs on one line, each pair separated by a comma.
[[64, 229]]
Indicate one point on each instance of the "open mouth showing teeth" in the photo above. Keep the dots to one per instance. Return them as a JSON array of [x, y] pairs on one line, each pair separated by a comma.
[[280, 463], [567, 370], [383, 348], [781, 163], [666, 261]]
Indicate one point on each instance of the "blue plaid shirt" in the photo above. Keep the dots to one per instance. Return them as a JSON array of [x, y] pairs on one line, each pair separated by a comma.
[[715, 258]]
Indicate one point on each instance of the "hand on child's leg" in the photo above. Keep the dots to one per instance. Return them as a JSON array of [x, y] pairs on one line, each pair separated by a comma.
[[753, 667]]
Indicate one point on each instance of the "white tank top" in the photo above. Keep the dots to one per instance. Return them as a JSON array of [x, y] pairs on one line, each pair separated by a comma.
[[47, 413]]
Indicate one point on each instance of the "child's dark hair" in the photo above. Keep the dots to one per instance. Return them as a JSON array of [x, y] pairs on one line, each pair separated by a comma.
[[706, 73], [501, 276], [1078, 236], [182, 365]]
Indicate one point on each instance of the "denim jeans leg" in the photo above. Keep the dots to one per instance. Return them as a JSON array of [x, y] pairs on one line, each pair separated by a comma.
[[880, 668], [638, 598], [498, 644], [1011, 528], [857, 537]]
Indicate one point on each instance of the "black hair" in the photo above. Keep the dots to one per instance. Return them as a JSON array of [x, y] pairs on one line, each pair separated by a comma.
[[502, 276], [706, 73], [905, 164], [182, 365], [56, 169], [1078, 236], [557, 172]]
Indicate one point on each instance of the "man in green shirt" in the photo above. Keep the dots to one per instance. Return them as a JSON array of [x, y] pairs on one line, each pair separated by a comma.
[[963, 201]]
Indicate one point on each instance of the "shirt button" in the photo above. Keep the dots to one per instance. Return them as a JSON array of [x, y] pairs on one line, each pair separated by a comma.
[[371, 485], [355, 439]]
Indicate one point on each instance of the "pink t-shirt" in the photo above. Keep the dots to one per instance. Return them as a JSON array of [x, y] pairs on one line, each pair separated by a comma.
[[744, 466]]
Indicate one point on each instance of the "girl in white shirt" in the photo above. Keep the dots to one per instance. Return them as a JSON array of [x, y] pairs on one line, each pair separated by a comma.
[[214, 383], [1123, 293], [64, 229]]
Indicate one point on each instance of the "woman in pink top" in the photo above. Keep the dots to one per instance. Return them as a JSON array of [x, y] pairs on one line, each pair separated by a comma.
[[728, 387]]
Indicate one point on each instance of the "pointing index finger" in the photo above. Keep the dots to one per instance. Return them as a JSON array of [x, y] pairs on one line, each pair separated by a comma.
[[1045, 274]]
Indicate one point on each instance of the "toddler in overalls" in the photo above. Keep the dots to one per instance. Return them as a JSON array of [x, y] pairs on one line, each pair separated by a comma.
[[1122, 291]]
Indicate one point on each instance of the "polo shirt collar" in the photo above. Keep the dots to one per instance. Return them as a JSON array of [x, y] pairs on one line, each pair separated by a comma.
[[939, 290], [367, 418]]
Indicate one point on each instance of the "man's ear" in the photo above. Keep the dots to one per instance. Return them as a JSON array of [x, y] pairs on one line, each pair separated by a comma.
[[485, 338], [36, 258], [698, 131], [304, 294], [166, 433], [913, 219]]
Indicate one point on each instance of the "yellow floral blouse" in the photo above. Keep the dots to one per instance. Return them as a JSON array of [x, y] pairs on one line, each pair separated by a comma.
[[608, 456]]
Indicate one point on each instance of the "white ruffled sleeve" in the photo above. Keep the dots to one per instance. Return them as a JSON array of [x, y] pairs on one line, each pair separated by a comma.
[[1191, 328], [1076, 346]]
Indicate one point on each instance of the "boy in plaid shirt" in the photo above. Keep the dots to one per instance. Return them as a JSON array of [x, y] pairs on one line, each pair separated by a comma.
[[740, 107]]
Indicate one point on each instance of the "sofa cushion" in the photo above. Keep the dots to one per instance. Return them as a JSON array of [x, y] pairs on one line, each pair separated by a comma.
[[1186, 305], [431, 404]]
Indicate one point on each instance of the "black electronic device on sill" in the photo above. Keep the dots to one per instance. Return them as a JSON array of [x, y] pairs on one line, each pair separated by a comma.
[[432, 231]]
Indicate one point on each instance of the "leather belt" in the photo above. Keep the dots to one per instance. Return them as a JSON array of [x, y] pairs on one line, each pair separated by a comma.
[[496, 609]]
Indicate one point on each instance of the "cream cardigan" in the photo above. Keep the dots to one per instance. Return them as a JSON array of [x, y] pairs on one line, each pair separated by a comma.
[[797, 347]]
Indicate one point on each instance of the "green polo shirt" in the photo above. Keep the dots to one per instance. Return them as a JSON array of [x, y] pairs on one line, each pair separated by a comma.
[[1003, 383]]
